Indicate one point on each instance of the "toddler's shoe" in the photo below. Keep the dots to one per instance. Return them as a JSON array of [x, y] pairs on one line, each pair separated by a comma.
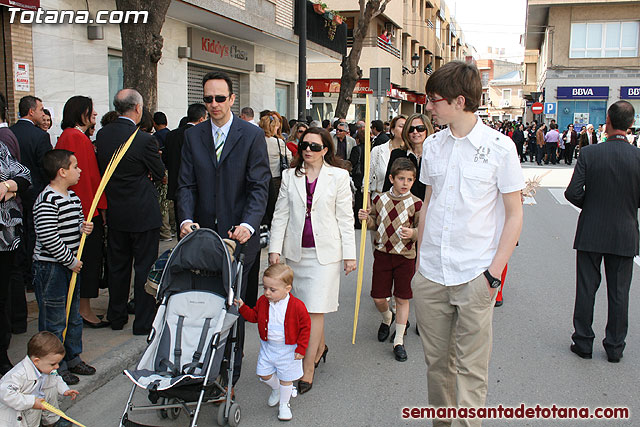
[[274, 397], [284, 413]]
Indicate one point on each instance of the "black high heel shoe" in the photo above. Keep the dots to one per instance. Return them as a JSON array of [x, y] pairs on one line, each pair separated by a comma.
[[304, 386], [323, 356]]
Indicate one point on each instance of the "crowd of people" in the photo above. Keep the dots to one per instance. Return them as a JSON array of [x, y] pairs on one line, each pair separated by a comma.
[[303, 181]]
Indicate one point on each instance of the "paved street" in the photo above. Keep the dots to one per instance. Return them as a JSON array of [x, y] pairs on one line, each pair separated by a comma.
[[362, 385]]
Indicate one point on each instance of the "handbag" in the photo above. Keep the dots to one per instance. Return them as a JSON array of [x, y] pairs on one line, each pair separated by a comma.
[[284, 161]]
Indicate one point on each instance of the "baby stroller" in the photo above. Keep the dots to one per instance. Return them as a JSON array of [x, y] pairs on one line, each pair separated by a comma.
[[185, 362]]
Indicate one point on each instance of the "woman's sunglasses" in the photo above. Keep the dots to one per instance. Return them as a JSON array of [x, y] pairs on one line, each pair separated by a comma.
[[314, 146], [419, 128], [219, 99]]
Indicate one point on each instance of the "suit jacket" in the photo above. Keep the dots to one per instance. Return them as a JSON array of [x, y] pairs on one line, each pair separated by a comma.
[[350, 144], [132, 198], [606, 185], [222, 194], [34, 143], [518, 137], [172, 157], [297, 323], [380, 139], [331, 216]]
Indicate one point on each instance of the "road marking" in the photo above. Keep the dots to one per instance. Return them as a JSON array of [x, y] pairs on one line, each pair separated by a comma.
[[558, 194]]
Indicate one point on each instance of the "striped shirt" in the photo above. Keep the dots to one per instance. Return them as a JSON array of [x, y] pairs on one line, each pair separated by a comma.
[[57, 220]]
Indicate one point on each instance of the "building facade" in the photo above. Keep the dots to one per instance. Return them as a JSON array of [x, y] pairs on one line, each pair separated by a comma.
[[423, 35], [64, 60], [584, 57], [501, 90]]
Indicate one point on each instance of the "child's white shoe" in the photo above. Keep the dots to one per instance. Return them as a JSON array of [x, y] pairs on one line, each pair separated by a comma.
[[284, 414], [274, 397]]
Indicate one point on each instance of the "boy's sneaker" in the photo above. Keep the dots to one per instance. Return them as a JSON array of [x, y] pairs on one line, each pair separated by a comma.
[[83, 369], [68, 377], [284, 413], [274, 397]]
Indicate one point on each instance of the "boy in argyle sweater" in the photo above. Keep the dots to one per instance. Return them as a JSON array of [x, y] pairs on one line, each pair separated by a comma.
[[394, 215]]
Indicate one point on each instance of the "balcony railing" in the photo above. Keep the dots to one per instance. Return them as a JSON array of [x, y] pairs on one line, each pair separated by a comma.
[[376, 41]]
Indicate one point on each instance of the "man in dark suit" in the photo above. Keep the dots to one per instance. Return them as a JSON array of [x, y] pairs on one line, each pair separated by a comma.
[[606, 185], [172, 153], [224, 177], [379, 136], [518, 139], [34, 143], [133, 215]]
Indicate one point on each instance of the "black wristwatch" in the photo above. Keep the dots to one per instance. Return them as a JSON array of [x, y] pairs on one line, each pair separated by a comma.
[[493, 282]]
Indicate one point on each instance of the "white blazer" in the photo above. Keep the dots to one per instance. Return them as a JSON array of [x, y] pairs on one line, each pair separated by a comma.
[[331, 216], [16, 398]]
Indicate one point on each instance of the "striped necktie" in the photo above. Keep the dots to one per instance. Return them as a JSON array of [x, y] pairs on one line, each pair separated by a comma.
[[219, 142]]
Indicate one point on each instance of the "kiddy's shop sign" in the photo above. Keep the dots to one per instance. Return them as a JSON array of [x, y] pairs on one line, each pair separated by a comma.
[[220, 50], [583, 92]]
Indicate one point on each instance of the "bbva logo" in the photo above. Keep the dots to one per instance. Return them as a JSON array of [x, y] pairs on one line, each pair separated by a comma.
[[580, 91], [633, 91]]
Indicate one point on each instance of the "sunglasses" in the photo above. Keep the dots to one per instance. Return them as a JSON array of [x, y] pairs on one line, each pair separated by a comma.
[[219, 99], [419, 128], [314, 146]]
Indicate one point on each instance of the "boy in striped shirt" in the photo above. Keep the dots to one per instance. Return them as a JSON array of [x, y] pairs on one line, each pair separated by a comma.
[[59, 223]]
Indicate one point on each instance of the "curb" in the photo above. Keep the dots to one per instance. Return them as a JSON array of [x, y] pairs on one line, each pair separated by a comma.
[[108, 366]]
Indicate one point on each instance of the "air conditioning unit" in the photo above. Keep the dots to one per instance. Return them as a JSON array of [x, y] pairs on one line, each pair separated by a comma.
[[505, 103]]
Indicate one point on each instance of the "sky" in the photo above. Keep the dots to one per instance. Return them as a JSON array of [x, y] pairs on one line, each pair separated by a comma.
[[496, 23]]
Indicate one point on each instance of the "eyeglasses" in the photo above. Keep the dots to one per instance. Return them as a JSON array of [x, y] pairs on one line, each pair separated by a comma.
[[301, 130], [419, 128], [314, 146], [341, 130], [219, 99], [434, 100]]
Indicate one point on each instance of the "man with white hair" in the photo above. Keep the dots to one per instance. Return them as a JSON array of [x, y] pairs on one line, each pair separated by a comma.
[[134, 213]]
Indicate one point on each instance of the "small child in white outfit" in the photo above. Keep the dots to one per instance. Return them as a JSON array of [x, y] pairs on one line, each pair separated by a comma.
[[284, 326], [32, 381]]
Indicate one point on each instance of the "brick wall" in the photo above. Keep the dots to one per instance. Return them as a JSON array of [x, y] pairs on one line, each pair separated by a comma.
[[17, 47]]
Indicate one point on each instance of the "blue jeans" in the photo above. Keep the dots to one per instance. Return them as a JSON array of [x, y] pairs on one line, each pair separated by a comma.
[[51, 284]]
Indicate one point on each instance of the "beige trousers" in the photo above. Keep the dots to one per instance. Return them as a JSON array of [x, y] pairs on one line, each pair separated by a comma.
[[455, 328]]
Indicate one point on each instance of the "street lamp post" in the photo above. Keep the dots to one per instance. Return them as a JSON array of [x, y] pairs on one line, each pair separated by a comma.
[[415, 63]]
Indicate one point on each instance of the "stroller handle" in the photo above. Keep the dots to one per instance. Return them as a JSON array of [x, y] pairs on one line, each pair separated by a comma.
[[238, 253]]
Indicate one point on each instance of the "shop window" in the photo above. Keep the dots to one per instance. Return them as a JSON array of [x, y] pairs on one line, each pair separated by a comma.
[[438, 27], [604, 40], [116, 77]]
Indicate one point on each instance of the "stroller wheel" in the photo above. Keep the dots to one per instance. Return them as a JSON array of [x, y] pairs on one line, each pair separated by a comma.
[[222, 421], [173, 413], [162, 413], [234, 415]]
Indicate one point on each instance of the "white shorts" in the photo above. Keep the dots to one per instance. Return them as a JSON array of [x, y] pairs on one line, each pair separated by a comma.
[[279, 358]]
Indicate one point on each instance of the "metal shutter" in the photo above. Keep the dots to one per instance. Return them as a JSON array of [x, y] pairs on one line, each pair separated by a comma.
[[196, 72]]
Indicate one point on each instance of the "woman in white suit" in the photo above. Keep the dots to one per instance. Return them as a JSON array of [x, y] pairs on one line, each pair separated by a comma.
[[312, 228]]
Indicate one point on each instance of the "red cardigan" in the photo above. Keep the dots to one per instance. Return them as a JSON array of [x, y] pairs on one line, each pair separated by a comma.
[[297, 323], [74, 140]]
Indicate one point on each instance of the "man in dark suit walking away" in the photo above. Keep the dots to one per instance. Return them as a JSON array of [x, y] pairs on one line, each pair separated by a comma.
[[133, 216], [172, 153], [224, 178], [33, 143], [606, 185]]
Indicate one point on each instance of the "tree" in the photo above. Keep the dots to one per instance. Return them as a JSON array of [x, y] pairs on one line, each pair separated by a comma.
[[142, 48], [351, 72]]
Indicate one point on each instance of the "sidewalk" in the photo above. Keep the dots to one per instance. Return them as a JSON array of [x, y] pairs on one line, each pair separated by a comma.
[[109, 351]]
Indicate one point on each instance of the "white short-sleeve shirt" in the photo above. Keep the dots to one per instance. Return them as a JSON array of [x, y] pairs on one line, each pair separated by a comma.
[[465, 215]]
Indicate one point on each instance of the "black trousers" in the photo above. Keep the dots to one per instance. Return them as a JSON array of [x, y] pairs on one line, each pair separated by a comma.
[[550, 151], [6, 267], [21, 277], [618, 270], [247, 292], [539, 154], [568, 153], [92, 258], [124, 249]]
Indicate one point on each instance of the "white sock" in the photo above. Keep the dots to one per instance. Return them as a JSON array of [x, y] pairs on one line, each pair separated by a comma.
[[272, 382], [399, 339], [386, 317], [285, 393]]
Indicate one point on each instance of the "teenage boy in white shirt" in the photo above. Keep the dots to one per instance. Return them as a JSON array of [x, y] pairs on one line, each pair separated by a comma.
[[469, 225]]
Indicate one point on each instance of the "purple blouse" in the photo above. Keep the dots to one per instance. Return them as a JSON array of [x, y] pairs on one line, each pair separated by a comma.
[[307, 233]]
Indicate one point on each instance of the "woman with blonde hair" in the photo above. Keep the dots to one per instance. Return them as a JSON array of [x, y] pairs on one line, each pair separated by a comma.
[[380, 156], [294, 136], [414, 133], [279, 159]]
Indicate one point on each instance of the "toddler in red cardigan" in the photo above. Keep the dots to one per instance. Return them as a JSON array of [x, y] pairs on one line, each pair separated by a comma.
[[284, 325]]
